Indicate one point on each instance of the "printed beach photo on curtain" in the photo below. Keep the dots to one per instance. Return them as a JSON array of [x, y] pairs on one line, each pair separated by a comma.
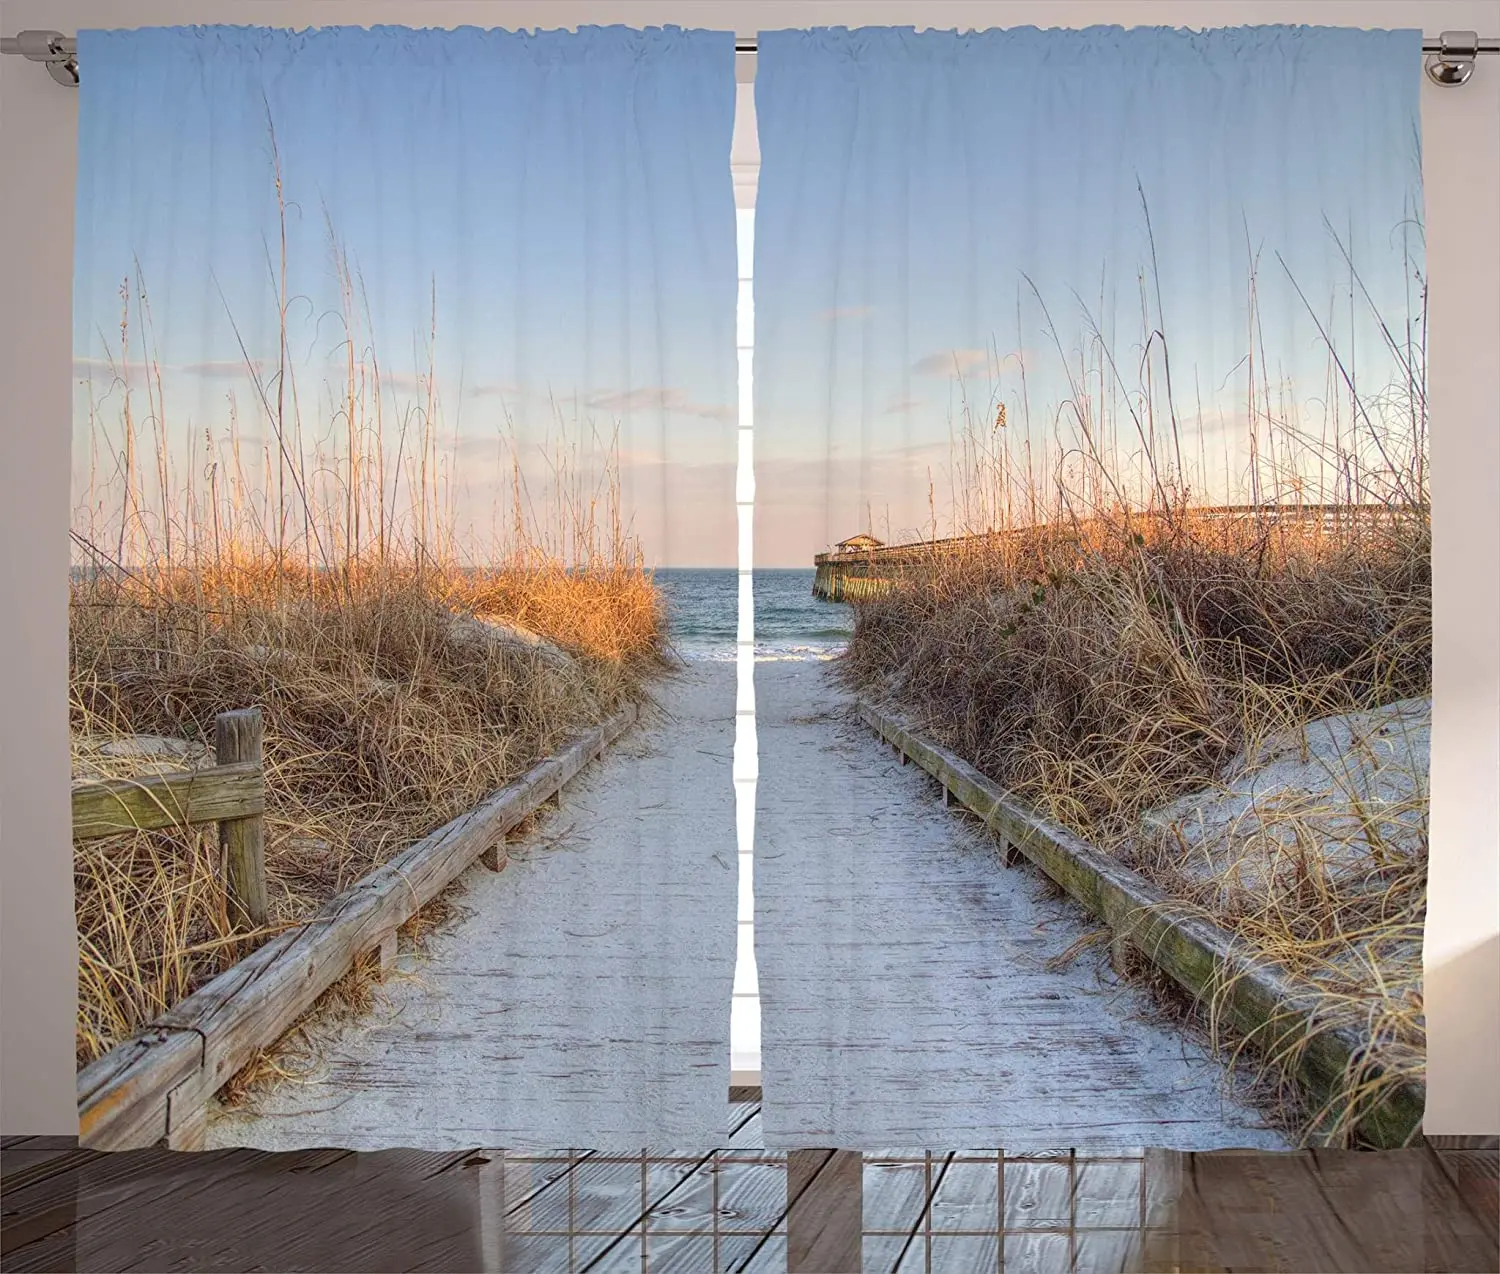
[[402, 697], [1089, 383]]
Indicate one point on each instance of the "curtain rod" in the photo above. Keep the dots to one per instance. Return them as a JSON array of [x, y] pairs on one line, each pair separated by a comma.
[[1450, 59]]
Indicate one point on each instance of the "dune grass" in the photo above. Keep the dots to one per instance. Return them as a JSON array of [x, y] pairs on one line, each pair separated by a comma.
[[381, 723], [1102, 649], [315, 568]]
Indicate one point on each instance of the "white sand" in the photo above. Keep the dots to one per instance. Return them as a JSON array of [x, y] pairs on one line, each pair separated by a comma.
[[905, 1003], [1354, 785], [583, 999]]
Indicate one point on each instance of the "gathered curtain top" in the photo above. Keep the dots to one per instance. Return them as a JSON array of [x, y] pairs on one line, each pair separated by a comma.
[[405, 46], [1064, 44]]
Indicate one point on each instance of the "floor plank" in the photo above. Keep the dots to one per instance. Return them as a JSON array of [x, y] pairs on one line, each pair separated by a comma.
[[585, 1215], [911, 1182], [881, 1253], [1320, 1211], [967, 1197], [742, 1200], [1473, 1176], [1038, 1253], [22, 1164], [1038, 1194], [897, 1186], [391, 1210], [768, 1257], [1461, 1210], [823, 1190]]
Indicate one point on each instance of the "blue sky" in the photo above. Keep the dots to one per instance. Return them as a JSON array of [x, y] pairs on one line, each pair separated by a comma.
[[924, 195], [565, 199]]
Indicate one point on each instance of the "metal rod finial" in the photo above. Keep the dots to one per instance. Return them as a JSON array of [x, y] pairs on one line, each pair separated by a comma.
[[1453, 62], [59, 52]]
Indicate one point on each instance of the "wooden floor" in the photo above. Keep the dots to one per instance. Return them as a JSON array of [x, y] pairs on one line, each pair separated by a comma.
[[745, 1209]]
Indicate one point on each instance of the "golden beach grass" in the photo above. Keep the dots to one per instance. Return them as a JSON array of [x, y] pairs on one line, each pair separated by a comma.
[[1101, 656], [379, 726]]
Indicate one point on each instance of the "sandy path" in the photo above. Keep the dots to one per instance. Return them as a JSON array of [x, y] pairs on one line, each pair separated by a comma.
[[904, 998], [582, 996]]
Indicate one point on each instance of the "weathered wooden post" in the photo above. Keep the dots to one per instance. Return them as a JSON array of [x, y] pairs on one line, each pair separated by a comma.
[[238, 739]]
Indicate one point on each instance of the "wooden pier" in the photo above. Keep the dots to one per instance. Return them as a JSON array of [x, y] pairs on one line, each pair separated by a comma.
[[862, 567]]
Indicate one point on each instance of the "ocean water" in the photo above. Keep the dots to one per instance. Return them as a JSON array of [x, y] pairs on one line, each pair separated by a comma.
[[789, 623]]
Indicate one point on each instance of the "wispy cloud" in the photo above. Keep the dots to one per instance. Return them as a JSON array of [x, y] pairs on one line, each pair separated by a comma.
[[407, 382], [500, 390], [103, 369], [847, 312], [394, 381], [949, 361], [900, 404], [483, 447], [659, 398], [227, 369], [87, 367], [222, 369]]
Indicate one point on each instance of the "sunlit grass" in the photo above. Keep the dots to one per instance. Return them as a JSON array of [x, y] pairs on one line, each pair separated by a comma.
[[1102, 647]]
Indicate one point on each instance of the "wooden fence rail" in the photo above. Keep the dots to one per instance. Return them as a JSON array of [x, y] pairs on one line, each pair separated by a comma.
[[231, 793], [1252, 995], [158, 1085]]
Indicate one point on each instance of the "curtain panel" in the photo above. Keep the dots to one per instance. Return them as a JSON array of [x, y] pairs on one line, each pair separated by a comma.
[[405, 397], [1089, 392]]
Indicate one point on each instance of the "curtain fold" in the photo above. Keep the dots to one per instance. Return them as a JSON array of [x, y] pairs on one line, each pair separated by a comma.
[[406, 380], [1120, 334]]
